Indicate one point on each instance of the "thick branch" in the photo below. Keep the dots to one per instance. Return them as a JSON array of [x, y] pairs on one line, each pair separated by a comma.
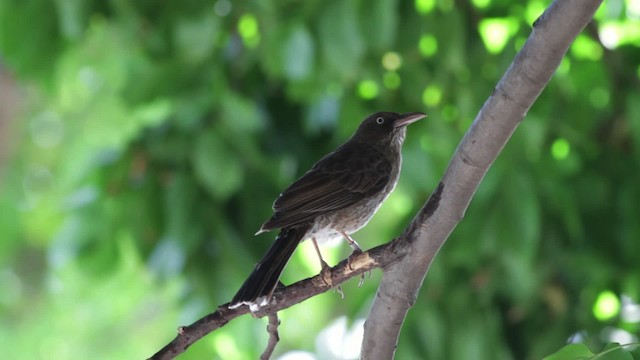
[[529, 73]]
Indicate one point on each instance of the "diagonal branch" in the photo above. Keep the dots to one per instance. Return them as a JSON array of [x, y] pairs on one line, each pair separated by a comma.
[[516, 92], [285, 297]]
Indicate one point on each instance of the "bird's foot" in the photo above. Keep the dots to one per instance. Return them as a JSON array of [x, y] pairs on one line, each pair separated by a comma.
[[361, 282], [325, 273], [355, 247], [357, 252]]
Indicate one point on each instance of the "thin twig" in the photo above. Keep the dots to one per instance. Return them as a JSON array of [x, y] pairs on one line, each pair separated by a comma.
[[274, 337]]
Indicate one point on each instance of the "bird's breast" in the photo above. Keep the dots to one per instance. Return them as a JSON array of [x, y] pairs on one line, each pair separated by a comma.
[[329, 226]]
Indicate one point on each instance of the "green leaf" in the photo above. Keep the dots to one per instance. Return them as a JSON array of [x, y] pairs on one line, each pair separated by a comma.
[[571, 352], [614, 351]]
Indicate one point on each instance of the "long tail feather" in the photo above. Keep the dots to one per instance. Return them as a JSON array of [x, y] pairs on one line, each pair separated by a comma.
[[259, 286]]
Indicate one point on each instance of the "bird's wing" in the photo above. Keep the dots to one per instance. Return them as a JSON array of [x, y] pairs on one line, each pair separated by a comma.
[[337, 181]]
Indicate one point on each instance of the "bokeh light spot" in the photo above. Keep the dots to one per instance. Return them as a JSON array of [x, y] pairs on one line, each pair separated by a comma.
[[633, 9], [226, 346], [340, 340], [222, 7], [248, 30], [495, 33], [585, 48], [47, 130], [607, 306], [297, 355], [391, 80], [391, 61], [534, 10], [560, 149], [481, 4], [428, 45], [630, 310], [425, 6], [401, 203], [432, 95], [368, 89], [610, 35]]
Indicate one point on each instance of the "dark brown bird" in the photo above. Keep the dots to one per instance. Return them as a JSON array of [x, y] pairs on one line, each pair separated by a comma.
[[336, 198]]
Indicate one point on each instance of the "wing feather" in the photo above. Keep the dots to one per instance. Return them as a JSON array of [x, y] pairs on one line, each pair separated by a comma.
[[337, 181]]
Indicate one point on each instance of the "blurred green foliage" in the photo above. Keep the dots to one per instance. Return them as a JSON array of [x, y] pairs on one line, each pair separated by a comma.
[[155, 136]]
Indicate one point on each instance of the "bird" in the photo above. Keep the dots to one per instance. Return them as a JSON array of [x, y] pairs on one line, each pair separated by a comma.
[[335, 198]]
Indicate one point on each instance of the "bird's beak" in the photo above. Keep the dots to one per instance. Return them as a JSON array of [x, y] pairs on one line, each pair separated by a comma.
[[408, 118]]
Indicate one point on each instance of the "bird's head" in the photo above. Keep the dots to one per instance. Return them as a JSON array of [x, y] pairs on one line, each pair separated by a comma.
[[386, 126]]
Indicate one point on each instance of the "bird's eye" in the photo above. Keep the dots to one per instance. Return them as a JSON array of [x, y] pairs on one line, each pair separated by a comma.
[[380, 121]]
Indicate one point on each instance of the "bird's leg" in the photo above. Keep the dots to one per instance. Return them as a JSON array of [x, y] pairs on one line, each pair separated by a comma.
[[352, 243], [323, 264], [356, 249], [340, 292], [325, 271]]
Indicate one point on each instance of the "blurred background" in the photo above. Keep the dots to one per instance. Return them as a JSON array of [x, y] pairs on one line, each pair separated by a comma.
[[142, 144]]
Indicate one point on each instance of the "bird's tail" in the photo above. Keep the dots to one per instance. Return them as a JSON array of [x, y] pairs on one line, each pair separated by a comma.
[[258, 288]]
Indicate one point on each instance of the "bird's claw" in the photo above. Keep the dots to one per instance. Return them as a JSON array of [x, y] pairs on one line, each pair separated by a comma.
[[325, 274], [361, 282]]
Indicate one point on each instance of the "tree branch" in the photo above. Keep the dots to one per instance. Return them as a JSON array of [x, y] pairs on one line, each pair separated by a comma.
[[285, 297], [531, 70], [274, 337]]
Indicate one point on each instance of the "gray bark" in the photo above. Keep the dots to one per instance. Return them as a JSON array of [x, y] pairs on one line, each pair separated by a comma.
[[531, 70]]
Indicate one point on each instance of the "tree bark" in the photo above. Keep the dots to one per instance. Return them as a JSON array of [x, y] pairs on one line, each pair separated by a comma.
[[552, 34]]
